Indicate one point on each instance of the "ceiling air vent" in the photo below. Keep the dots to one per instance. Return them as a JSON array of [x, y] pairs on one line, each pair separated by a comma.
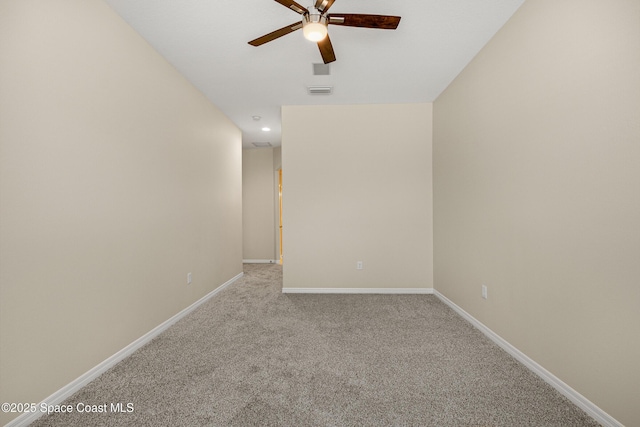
[[320, 90], [321, 70], [261, 144]]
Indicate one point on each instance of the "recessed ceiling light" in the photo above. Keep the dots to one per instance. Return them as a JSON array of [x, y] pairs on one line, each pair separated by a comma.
[[265, 129], [256, 118]]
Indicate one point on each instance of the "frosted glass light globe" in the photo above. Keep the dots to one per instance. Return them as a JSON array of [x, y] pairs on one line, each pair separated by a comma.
[[314, 27]]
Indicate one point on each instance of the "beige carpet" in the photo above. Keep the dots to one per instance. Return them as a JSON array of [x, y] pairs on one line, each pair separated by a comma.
[[252, 356]]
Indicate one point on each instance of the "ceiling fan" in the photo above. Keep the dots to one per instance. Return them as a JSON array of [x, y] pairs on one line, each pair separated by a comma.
[[315, 20]]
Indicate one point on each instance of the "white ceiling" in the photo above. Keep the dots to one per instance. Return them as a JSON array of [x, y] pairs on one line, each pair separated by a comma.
[[206, 40]]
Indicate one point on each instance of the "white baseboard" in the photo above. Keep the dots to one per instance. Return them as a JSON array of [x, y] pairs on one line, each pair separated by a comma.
[[579, 400], [357, 290], [84, 379], [259, 261]]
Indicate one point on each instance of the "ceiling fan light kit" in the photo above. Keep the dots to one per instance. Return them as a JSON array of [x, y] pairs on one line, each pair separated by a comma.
[[314, 26], [315, 20]]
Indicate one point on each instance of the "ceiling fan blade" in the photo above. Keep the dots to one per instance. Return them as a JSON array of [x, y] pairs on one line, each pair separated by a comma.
[[384, 22], [277, 33], [293, 6], [324, 5], [326, 50]]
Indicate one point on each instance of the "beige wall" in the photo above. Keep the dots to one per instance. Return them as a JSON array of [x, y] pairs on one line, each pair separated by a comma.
[[117, 178], [258, 201], [357, 188], [537, 193], [277, 158]]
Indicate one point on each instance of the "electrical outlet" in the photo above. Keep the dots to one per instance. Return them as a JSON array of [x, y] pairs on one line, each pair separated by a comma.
[[359, 265], [484, 291], [189, 278]]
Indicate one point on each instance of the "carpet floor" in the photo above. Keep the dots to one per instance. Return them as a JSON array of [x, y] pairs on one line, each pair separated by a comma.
[[252, 356]]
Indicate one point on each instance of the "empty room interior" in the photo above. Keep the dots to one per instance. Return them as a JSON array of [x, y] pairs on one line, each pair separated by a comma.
[[133, 189]]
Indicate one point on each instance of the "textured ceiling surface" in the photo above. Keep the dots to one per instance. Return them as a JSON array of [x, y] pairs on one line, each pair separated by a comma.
[[206, 40]]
